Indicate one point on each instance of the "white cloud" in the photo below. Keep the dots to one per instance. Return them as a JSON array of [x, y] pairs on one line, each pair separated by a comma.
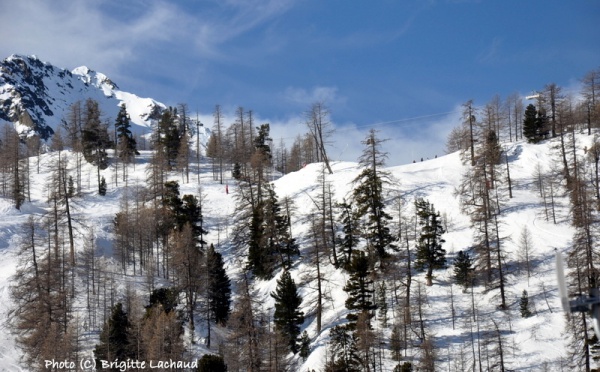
[[108, 34], [72, 33]]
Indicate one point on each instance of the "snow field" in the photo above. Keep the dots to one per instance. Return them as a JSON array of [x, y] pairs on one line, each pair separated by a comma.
[[531, 341]]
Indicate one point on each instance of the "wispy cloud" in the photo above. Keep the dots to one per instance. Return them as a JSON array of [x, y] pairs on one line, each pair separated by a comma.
[[491, 52], [109, 34], [70, 33], [304, 97]]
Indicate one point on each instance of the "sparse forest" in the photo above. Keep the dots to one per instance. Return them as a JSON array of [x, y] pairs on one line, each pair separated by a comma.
[[203, 255]]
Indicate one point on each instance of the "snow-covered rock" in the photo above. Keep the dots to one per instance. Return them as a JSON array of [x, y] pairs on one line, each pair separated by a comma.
[[36, 96]]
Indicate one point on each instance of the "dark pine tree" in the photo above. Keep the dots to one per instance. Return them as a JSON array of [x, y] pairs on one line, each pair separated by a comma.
[[236, 172], [102, 187], [463, 269], [359, 288], [219, 287], [126, 144], [351, 230], [114, 338], [344, 352], [192, 213], [277, 230], [369, 198], [171, 201], [430, 254], [531, 129], [168, 135], [95, 139], [260, 262], [212, 363], [524, 305], [304, 346], [166, 297], [288, 316]]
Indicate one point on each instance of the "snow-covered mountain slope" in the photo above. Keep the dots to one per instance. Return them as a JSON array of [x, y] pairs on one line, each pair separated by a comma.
[[532, 344], [37, 95]]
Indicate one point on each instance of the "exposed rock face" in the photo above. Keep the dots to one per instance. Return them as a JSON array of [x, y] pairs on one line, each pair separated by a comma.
[[36, 96]]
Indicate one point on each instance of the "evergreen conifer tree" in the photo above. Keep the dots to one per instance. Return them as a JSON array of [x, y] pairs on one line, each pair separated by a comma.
[[168, 135], [126, 144], [277, 230], [304, 346], [212, 363], [219, 287], [270, 243], [524, 305], [351, 230], [260, 262], [71, 187], [359, 288], [369, 198], [165, 297], [463, 268], [114, 338], [531, 129], [430, 254], [102, 187], [382, 307], [396, 343], [95, 138], [288, 317], [344, 352]]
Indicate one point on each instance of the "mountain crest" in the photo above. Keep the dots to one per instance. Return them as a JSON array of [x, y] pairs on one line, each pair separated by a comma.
[[94, 78], [36, 96]]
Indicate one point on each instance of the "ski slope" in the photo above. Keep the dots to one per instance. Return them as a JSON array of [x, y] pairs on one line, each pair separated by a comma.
[[531, 343]]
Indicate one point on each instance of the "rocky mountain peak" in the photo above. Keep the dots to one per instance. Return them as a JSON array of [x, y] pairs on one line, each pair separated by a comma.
[[37, 95]]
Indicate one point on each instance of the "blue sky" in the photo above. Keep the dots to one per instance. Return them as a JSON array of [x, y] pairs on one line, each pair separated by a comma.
[[371, 62]]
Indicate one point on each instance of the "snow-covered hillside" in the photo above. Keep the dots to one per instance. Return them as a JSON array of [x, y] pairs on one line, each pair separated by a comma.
[[532, 344], [45, 93]]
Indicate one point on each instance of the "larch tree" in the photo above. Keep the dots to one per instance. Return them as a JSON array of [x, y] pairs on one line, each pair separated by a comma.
[[73, 127], [591, 90], [552, 97], [41, 316], [470, 123], [245, 344], [315, 275], [187, 264], [217, 145], [161, 335], [323, 208], [13, 172], [482, 200], [320, 128], [514, 111]]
